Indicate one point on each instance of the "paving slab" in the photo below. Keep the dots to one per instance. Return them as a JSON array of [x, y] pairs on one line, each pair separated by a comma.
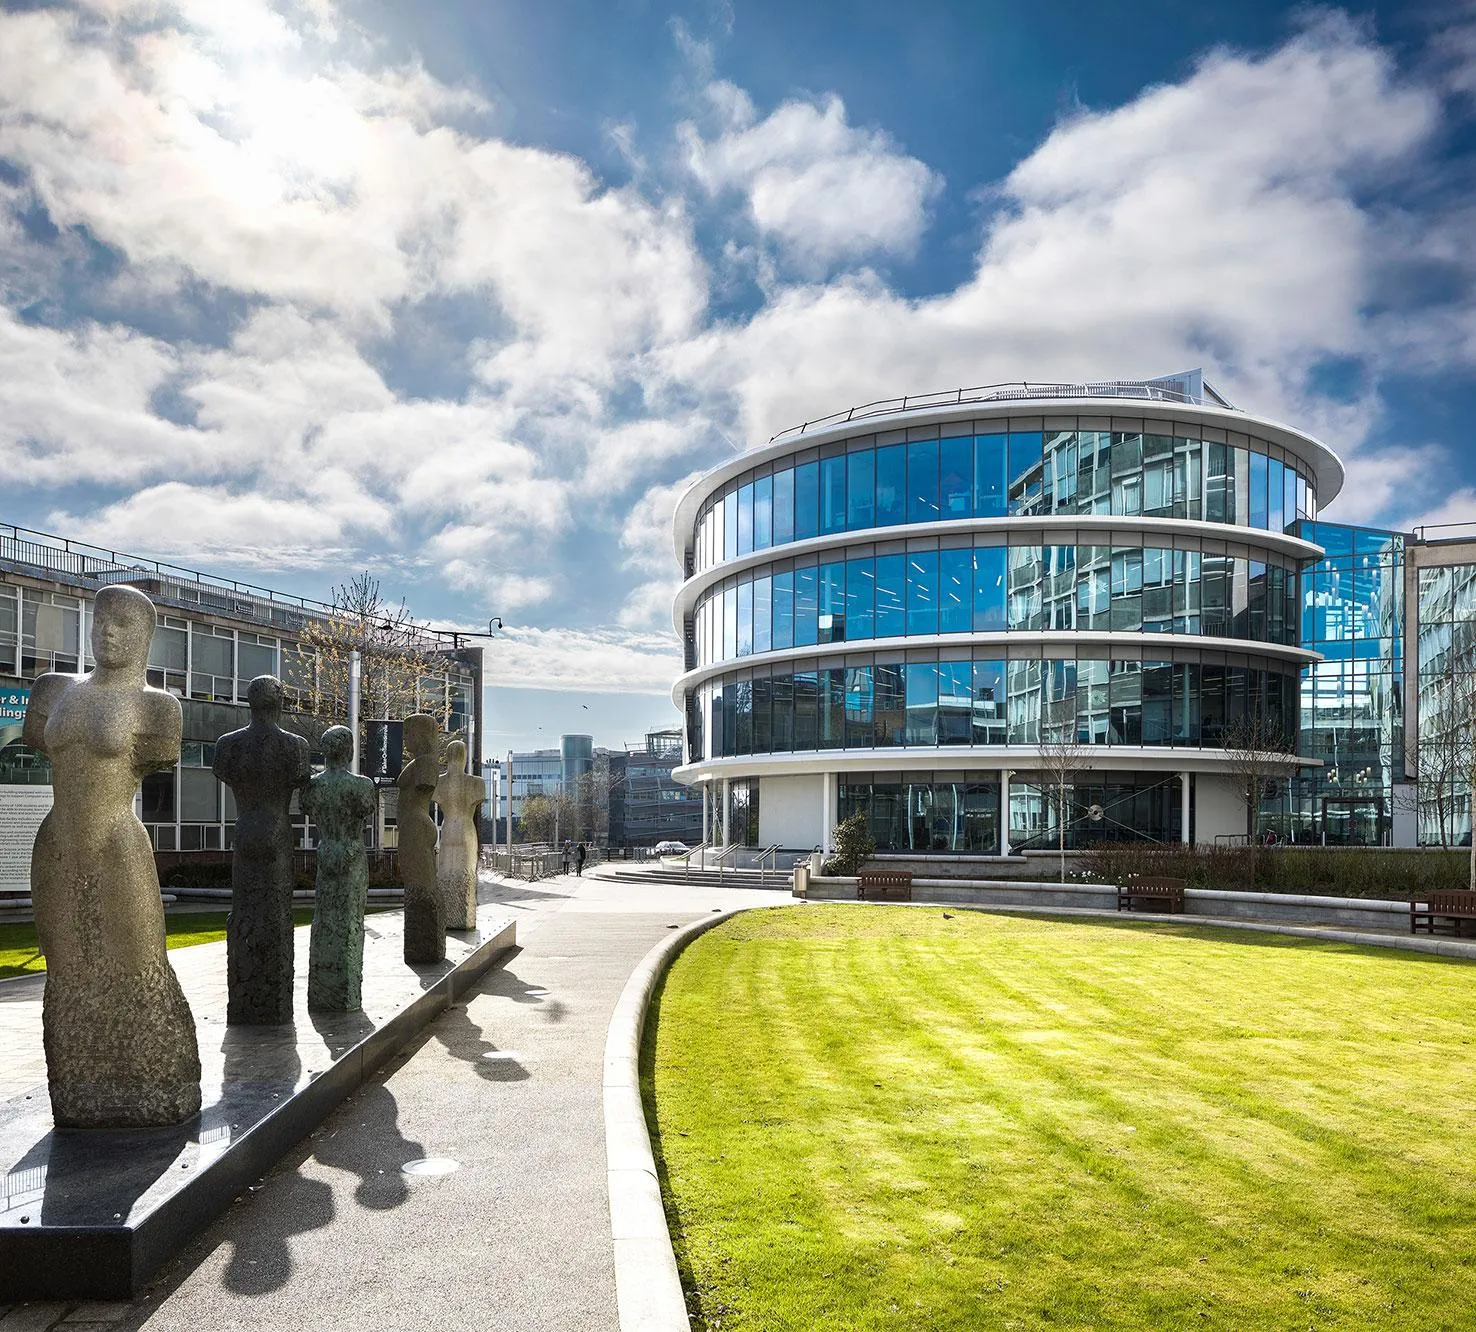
[[508, 1083], [93, 1214]]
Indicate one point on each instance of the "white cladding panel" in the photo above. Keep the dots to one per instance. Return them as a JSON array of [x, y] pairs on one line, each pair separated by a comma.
[[1217, 808], [790, 811]]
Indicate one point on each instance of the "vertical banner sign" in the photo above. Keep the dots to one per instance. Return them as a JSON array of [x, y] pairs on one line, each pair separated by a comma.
[[22, 805]]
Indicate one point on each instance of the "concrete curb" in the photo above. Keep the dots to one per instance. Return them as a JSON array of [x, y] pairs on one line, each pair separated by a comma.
[[1434, 945], [648, 1287]]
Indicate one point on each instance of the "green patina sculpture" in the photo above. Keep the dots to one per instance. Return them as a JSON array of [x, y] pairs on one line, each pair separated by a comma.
[[338, 802], [425, 908]]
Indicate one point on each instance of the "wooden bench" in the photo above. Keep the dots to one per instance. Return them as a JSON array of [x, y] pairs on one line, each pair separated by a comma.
[[883, 885], [1155, 894], [1442, 911]]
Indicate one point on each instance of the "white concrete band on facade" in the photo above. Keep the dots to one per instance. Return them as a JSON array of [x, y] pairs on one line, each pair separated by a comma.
[[1123, 528], [1004, 639], [1239, 427]]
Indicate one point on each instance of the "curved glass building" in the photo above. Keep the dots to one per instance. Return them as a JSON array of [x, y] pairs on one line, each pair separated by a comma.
[[892, 610]]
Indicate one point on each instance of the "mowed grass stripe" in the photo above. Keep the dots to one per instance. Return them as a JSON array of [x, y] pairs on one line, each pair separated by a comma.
[[1075, 1125]]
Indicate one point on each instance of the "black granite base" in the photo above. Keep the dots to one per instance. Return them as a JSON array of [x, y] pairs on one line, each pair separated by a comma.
[[92, 1215]]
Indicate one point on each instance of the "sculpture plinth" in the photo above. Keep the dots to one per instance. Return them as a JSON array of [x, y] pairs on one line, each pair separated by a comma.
[[119, 1037], [263, 765]]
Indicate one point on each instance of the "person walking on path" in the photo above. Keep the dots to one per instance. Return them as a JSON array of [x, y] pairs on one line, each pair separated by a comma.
[[566, 855], [579, 855]]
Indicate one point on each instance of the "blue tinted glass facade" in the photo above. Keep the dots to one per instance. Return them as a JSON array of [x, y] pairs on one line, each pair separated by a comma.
[[1352, 702]]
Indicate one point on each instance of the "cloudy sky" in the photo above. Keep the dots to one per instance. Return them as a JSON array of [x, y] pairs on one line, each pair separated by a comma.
[[466, 292]]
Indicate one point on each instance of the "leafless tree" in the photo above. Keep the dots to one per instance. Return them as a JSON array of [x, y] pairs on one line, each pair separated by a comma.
[[1257, 754], [1062, 758], [401, 668]]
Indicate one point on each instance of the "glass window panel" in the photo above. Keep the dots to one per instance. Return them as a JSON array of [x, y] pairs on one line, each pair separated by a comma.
[[783, 507], [199, 796], [1060, 472], [859, 705], [922, 481], [861, 489], [168, 651], [806, 709], [956, 478], [832, 708], [745, 619], [891, 596], [1094, 587], [763, 613], [989, 588], [1026, 590], [806, 501], [781, 720], [763, 735], [1058, 700], [1158, 702], [1027, 471], [745, 519], [890, 705], [1125, 701], [956, 587], [922, 702], [955, 701], [763, 513], [832, 623], [253, 659], [1059, 588], [730, 525], [1093, 471], [784, 609], [1275, 487], [1240, 463], [1188, 479], [860, 598], [922, 592], [1022, 701], [990, 488], [1127, 588], [213, 655], [891, 485], [742, 707], [989, 702], [1091, 702], [833, 495], [806, 605]]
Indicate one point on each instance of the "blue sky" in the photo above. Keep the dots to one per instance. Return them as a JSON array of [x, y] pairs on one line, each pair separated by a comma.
[[466, 293]]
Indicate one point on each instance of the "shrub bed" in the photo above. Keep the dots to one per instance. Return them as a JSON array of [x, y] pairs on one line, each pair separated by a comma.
[[1327, 871]]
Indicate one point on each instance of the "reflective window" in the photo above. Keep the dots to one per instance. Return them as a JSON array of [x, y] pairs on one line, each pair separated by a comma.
[[922, 481], [784, 609], [989, 588], [1021, 472], [763, 513], [861, 598], [861, 489], [783, 507], [990, 486], [806, 605], [832, 605], [922, 592], [806, 501], [833, 495], [955, 598], [922, 702], [763, 613], [956, 478], [891, 606]]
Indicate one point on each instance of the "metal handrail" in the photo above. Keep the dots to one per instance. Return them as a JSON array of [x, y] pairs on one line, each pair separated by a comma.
[[724, 854], [1005, 393], [687, 859], [772, 853]]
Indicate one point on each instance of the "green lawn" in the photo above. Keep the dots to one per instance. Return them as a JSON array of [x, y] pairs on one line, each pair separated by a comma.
[[881, 1118], [18, 955]]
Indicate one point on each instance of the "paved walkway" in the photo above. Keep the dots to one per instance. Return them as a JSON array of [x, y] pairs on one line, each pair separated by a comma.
[[509, 1088]]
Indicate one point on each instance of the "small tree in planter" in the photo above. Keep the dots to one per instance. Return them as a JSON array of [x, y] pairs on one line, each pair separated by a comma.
[[854, 846]]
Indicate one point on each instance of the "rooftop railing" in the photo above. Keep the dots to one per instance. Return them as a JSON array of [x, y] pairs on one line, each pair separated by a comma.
[[177, 585], [1129, 389]]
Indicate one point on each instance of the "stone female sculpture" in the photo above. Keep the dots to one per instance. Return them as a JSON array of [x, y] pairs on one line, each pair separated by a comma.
[[120, 1039], [460, 796], [425, 910], [339, 802], [263, 765]]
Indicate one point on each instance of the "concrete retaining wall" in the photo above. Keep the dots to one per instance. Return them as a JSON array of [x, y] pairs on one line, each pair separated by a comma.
[[1354, 912]]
